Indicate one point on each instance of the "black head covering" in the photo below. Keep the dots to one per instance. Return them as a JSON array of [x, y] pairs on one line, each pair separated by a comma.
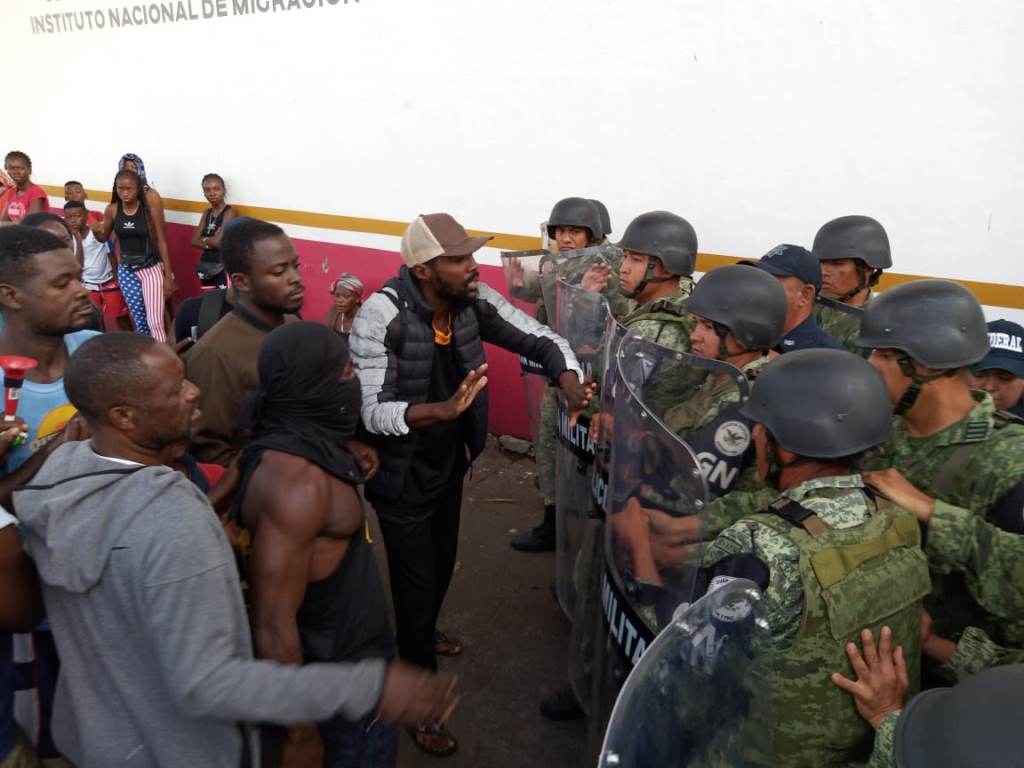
[[302, 406]]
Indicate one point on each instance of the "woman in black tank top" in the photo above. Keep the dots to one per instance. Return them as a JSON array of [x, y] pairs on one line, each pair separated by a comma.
[[144, 268], [210, 268]]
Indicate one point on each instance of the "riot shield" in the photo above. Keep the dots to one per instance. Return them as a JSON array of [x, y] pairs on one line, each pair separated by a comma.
[[569, 266], [605, 369], [580, 319], [654, 526], [523, 279], [701, 695]]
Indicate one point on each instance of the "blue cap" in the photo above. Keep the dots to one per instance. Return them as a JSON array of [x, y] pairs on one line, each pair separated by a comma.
[[1006, 349], [791, 261]]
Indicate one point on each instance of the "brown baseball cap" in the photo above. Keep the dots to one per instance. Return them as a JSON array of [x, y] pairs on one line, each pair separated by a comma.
[[437, 234]]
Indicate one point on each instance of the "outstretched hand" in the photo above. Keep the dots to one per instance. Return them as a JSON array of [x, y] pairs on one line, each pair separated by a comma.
[[881, 680], [464, 396]]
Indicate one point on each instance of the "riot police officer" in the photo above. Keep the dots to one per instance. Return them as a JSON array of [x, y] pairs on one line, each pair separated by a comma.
[[575, 224], [958, 464], [853, 251], [830, 557]]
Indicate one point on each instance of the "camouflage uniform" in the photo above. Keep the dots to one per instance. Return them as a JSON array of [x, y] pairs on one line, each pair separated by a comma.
[[884, 754], [863, 567], [842, 326], [977, 568]]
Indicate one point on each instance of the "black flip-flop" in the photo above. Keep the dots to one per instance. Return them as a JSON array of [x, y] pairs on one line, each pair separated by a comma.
[[441, 638], [434, 730]]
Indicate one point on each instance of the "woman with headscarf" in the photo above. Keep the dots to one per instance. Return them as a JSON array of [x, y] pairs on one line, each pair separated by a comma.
[[347, 291], [316, 593], [144, 266]]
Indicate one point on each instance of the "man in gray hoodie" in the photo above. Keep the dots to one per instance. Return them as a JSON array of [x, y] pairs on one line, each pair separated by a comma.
[[142, 591]]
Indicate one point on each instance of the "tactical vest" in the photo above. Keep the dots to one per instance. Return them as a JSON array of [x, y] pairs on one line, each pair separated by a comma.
[[871, 575]]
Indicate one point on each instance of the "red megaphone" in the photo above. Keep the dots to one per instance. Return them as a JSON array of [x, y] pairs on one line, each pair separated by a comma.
[[14, 375]]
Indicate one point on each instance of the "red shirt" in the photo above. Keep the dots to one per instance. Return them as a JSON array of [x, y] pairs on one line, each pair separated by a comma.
[[17, 205], [93, 216]]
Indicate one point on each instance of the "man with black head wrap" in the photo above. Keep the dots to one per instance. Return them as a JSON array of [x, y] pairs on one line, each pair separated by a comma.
[[316, 595]]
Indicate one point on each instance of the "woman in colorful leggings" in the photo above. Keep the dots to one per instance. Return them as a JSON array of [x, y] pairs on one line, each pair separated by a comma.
[[144, 271]]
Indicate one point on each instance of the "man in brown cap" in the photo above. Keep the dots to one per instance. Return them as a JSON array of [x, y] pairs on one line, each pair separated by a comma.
[[417, 345]]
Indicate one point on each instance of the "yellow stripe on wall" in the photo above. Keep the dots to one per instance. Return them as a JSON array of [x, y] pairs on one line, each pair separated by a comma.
[[992, 294]]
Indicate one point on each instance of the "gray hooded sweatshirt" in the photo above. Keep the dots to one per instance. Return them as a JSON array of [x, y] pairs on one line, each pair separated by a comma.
[[144, 598]]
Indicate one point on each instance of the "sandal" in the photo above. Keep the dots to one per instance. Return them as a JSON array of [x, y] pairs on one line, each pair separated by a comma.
[[425, 735], [446, 646]]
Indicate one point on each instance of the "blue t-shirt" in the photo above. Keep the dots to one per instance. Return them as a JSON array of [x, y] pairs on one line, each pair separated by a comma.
[[45, 409]]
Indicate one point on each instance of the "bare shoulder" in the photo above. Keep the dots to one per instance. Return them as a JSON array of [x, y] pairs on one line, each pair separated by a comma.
[[288, 488]]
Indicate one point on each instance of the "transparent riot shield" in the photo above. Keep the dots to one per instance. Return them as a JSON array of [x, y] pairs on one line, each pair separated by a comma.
[[569, 266], [605, 369], [580, 319], [523, 279], [701, 695], [655, 519], [590, 559]]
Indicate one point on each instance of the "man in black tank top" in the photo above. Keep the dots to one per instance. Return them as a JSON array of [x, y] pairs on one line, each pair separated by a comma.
[[316, 594]]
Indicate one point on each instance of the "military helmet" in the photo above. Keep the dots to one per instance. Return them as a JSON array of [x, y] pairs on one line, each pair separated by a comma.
[[606, 219], [576, 212], [668, 237], [976, 722], [937, 323], [853, 237], [821, 403], [749, 302]]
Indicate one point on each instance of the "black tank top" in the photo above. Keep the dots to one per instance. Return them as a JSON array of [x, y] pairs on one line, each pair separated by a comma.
[[344, 616], [133, 235], [210, 259]]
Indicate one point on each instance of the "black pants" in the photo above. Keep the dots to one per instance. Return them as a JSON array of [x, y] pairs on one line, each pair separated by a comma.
[[421, 558]]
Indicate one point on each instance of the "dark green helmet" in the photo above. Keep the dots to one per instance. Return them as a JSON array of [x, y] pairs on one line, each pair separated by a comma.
[[664, 235], [749, 302], [576, 212], [606, 219], [853, 237], [937, 323], [821, 403], [977, 722]]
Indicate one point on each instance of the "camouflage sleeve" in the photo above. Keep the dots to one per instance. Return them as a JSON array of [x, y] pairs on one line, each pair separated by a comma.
[[991, 559], [976, 651], [732, 507], [884, 754]]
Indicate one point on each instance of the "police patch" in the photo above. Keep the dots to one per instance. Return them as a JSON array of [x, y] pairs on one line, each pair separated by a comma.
[[732, 438]]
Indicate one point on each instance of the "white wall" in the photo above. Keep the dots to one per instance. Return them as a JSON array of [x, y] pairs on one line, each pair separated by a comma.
[[756, 119]]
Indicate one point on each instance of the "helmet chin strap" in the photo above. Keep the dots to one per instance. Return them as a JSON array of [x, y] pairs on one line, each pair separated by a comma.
[[775, 464], [868, 278], [648, 278], [917, 381]]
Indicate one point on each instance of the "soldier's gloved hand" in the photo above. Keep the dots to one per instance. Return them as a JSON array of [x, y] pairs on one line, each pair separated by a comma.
[[882, 680]]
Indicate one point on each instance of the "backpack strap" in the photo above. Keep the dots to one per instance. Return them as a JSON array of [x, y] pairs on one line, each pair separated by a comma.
[[669, 308], [211, 307], [798, 515]]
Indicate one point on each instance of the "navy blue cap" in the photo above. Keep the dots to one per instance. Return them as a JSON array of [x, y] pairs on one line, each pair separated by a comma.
[[791, 261], [1006, 348]]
